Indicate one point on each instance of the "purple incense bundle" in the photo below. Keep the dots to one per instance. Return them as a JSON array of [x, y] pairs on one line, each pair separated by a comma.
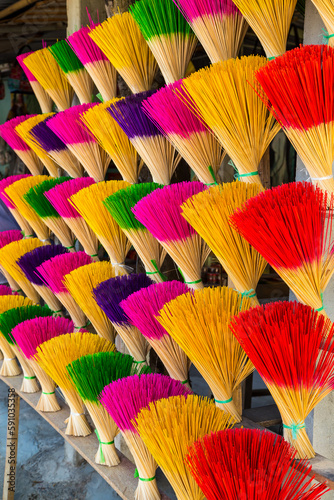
[[22, 222], [194, 141], [141, 309], [29, 335], [109, 295], [154, 149], [68, 126], [160, 213], [42, 97], [123, 399]]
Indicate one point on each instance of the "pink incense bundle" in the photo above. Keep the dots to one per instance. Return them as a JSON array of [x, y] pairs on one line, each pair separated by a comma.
[[22, 222], [59, 197], [73, 132], [53, 272], [194, 141], [7, 237], [29, 335], [42, 97], [6, 290], [142, 308], [160, 213], [19, 146], [123, 400]]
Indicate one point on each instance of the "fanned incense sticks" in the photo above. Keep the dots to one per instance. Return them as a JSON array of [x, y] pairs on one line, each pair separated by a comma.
[[53, 272], [169, 426], [292, 348], [59, 197], [122, 42], [270, 20], [81, 283], [124, 399], [7, 237], [49, 74], [156, 151], [168, 35], [208, 213], [160, 213], [22, 222], [297, 90], [108, 295], [111, 137], [29, 335], [120, 206], [30, 261], [68, 127], [54, 355], [16, 191], [20, 147], [249, 463], [326, 11], [42, 97], [197, 145], [199, 323], [291, 228], [89, 203], [223, 97], [218, 24], [142, 308], [74, 70], [90, 374]]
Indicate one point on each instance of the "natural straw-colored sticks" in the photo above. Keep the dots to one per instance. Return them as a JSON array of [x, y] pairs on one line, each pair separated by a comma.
[[326, 11]]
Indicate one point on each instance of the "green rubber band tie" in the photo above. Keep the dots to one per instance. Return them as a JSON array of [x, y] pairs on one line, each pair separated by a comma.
[[19, 290], [322, 301], [54, 312], [69, 248], [326, 36], [139, 362], [94, 255], [185, 382], [215, 183], [248, 175], [224, 402], [143, 478], [157, 270], [249, 293], [188, 282], [29, 378], [102, 459], [85, 326], [295, 428], [48, 393], [271, 58]]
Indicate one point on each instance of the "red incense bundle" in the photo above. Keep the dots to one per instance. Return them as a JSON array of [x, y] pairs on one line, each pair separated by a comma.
[[22, 222], [42, 97]]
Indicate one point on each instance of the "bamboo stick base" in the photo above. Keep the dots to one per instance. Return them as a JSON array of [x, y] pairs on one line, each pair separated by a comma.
[[29, 382], [10, 368], [107, 455]]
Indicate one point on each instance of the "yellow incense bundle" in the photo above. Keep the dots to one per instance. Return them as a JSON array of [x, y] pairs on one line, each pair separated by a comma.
[[169, 426], [199, 322], [54, 355], [208, 213]]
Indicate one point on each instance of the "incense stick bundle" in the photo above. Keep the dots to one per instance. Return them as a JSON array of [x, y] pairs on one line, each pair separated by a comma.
[[123, 400], [37, 200], [224, 99], [15, 193], [8, 321], [53, 272], [111, 137], [142, 308], [291, 228], [74, 70], [59, 197], [72, 131], [326, 11], [168, 35], [30, 261], [9, 366], [160, 213], [89, 203], [169, 426], [49, 74], [208, 213], [155, 150], [292, 347], [249, 463], [10, 254], [54, 355], [206, 315], [42, 97], [90, 374], [120, 206], [219, 26], [109, 295], [19, 146], [122, 42], [270, 20], [22, 222], [29, 335], [197, 145], [295, 88], [7, 237], [80, 283], [56, 149], [6, 290]]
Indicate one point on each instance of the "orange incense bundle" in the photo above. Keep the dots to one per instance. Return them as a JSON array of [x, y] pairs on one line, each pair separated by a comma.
[[7, 237], [42, 97], [22, 222]]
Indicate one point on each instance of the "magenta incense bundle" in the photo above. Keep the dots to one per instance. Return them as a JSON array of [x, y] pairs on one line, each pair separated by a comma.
[[22, 222], [6, 290], [42, 97]]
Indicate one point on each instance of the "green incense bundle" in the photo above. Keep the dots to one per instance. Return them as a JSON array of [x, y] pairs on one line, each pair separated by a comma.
[[120, 206], [40, 204], [90, 374], [168, 35], [74, 70]]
